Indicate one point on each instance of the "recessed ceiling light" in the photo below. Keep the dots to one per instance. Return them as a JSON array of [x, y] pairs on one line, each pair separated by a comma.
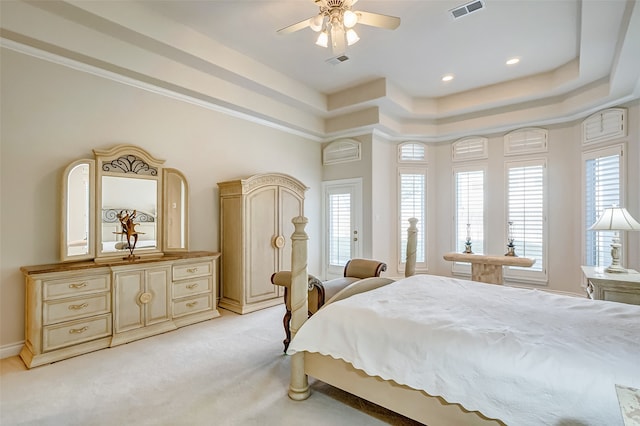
[[447, 77], [513, 61]]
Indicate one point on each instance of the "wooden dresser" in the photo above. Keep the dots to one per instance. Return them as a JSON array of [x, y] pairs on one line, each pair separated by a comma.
[[78, 307]]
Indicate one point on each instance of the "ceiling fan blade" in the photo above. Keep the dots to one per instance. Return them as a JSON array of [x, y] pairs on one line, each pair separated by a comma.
[[378, 20], [295, 27]]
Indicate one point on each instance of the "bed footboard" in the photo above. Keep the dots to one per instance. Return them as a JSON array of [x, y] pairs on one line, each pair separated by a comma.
[[412, 403]]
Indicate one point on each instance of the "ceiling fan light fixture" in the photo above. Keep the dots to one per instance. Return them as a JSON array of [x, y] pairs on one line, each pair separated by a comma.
[[315, 23], [323, 39], [337, 39], [349, 19], [352, 37]]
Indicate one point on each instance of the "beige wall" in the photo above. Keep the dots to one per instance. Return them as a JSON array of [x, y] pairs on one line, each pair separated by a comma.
[[52, 115]]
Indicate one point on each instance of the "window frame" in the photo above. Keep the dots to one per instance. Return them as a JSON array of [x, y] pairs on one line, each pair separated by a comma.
[[527, 275], [592, 154], [464, 268], [403, 225]]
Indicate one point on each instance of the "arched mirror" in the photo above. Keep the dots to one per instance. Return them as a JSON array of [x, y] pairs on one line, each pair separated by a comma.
[[78, 197], [128, 186], [124, 184]]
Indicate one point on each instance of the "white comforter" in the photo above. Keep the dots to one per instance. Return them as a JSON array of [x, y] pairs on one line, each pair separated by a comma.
[[526, 357]]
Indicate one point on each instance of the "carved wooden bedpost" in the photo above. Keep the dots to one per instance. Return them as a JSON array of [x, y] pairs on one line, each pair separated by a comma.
[[412, 242], [298, 385]]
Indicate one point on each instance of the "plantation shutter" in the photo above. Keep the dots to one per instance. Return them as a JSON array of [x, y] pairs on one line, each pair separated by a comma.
[[339, 229], [605, 125], [412, 152], [525, 210], [470, 209], [470, 149], [602, 189], [525, 141], [412, 204]]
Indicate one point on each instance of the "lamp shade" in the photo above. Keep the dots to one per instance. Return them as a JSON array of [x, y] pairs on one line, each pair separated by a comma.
[[615, 219]]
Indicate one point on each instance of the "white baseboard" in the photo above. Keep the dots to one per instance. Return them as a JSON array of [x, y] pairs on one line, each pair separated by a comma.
[[11, 350]]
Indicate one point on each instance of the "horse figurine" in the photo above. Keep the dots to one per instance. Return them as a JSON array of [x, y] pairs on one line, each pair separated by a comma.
[[129, 229]]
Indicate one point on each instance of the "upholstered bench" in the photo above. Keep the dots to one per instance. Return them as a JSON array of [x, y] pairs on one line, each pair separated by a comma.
[[319, 292]]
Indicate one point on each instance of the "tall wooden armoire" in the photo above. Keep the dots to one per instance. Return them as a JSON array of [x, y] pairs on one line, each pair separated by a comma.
[[255, 238]]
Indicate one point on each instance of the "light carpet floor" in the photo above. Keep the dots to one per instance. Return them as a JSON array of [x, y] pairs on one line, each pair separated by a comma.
[[227, 371]]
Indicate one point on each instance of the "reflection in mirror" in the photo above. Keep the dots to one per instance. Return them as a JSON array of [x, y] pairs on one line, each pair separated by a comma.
[[175, 214], [121, 194], [77, 239]]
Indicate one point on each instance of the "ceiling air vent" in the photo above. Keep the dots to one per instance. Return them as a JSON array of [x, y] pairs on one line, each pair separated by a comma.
[[466, 9], [337, 60]]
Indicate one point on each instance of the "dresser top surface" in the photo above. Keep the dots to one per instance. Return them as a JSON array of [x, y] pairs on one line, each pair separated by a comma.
[[89, 265]]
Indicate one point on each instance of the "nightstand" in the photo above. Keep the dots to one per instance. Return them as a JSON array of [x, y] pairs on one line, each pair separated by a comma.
[[623, 287]]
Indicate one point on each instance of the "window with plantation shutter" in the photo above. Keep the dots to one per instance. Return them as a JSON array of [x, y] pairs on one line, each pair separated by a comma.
[[411, 151], [470, 149], [341, 151], [469, 212], [605, 125], [525, 141], [602, 188], [526, 212], [412, 189]]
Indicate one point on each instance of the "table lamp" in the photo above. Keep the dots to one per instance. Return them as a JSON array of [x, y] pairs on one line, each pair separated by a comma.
[[615, 219]]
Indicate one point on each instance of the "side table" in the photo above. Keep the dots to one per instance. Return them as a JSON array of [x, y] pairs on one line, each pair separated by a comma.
[[615, 287]]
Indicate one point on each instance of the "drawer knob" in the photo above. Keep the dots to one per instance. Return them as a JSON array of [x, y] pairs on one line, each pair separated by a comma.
[[145, 298], [192, 286], [78, 307], [192, 304], [78, 330], [192, 270], [78, 285]]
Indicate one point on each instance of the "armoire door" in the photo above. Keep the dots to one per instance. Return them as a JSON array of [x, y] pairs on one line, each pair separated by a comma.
[[262, 231]]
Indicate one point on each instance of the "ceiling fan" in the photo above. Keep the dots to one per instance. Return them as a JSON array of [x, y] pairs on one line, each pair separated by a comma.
[[335, 23]]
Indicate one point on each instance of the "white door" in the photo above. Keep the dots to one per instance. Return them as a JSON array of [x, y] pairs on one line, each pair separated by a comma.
[[342, 211]]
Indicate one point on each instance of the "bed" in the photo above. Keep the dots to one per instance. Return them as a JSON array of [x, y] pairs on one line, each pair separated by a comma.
[[445, 351]]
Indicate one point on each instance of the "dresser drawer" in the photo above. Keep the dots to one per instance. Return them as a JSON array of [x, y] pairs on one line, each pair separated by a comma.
[[71, 333], [68, 287], [55, 311], [191, 287], [192, 305], [192, 270]]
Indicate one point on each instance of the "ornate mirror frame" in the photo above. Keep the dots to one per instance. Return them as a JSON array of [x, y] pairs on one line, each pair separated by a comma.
[[77, 201], [120, 180]]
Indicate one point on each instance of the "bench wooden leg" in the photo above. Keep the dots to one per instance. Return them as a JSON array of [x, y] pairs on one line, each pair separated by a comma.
[[287, 331]]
